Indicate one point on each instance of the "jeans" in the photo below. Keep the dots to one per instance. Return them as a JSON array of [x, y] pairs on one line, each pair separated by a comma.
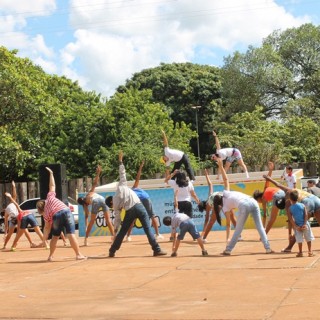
[[63, 219], [247, 206], [138, 211]]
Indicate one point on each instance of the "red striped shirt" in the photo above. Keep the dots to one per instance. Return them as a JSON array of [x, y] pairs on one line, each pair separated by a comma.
[[52, 206]]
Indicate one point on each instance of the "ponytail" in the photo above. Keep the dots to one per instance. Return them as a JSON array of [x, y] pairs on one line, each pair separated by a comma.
[[217, 203]]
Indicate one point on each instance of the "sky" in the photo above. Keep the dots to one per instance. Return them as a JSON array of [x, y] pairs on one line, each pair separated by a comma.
[[102, 43]]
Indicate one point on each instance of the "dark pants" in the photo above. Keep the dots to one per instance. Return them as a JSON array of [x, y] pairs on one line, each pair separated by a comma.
[[185, 207], [186, 163], [138, 211]]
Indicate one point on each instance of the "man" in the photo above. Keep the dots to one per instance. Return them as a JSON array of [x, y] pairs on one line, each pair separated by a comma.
[[178, 157], [312, 188], [125, 198]]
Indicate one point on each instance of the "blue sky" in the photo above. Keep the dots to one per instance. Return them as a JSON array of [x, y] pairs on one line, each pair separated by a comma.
[[101, 43]]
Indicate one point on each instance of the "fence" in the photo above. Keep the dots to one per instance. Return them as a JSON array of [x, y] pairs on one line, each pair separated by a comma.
[[28, 190]]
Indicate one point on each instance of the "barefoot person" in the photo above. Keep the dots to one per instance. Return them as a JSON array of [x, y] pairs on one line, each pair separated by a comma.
[[97, 202], [57, 216]]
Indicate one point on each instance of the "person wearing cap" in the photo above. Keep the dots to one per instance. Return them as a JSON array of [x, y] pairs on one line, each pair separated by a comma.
[[210, 220], [270, 194], [178, 157], [228, 154], [312, 188]]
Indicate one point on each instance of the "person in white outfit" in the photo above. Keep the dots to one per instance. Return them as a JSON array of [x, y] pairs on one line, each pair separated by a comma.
[[246, 205]]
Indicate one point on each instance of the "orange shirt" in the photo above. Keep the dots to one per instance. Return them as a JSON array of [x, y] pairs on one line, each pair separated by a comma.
[[269, 193]]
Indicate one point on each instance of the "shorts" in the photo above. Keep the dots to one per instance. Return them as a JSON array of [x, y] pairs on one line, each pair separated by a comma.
[[98, 204], [312, 203], [188, 226], [29, 219], [306, 234], [148, 205], [236, 155], [61, 220], [280, 194], [13, 223]]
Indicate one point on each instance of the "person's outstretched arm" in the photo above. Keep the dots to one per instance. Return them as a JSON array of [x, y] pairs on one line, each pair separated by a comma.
[[13, 201], [52, 183], [218, 147], [277, 184], [96, 179], [165, 139], [136, 182], [224, 174], [271, 167], [122, 171], [208, 181], [13, 191]]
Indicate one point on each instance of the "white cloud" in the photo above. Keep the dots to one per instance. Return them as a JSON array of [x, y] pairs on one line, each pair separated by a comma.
[[111, 40]]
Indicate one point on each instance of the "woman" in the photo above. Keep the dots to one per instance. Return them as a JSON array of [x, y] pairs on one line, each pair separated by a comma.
[[246, 205], [269, 194], [97, 203], [208, 206], [228, 154], [179, 181], [57, 216]]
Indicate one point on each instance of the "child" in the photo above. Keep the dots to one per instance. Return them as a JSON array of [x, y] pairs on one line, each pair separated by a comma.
[[289, 177], [299, 220], [185, 224]]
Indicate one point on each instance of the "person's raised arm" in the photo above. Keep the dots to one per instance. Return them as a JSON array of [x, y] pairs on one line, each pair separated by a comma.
[[136, 182], [13, 191], [218, 147], [165, 139], [52, 183], [224, 174], [208, 181], [277, 184], [13, 201], [169, 176], [270, 167], [96, 179], [122, 170]]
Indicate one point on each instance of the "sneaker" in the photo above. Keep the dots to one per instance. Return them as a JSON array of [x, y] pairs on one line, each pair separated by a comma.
[[226, 252], [128, 239], [240, 238], [159, 237], [159, 253], [86, 241], [171, 239], [269, 251], [111, 254], [204, 240], [174, 254], [204, 252], [13, 249]]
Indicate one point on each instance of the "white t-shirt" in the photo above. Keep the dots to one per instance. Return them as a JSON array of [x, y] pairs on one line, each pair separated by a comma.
[[290, 180], [184, 193], [231, 199], [173, 155], [225, 153], [11, 211]]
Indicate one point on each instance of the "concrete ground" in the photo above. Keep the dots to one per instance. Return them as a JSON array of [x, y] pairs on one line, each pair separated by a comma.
[[249, 284]]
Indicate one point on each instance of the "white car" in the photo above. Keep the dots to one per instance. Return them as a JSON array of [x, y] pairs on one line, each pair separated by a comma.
[[31, 204]]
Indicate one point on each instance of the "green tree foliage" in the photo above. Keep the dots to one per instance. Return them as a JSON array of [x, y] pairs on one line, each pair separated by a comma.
[[282, 75], [179, 86], [137, 131]]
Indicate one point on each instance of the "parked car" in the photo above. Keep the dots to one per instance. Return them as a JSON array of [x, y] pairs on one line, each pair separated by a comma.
[[31, 204], [2, 226]]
